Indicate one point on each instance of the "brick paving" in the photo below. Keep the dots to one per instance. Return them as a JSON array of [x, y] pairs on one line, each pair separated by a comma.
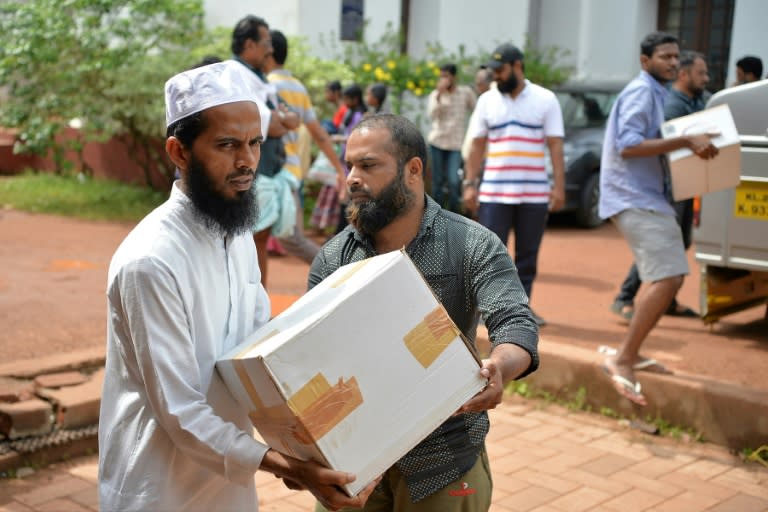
[[544, 458]]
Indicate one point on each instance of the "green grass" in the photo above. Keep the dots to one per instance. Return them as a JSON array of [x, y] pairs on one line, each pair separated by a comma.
[[578, 401], [91, 199]]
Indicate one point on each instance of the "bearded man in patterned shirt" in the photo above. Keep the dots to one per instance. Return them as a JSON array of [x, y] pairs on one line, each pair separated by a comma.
[[473, 276]]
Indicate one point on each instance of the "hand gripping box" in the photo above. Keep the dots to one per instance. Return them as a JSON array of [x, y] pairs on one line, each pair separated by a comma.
[[357, 371], [693, 176]]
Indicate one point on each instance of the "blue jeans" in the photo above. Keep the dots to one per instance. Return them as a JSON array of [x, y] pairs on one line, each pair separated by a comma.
[[528, 221], [445, 168]]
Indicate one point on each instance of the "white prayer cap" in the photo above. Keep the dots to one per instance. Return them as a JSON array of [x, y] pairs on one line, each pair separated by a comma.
[[205, 87]]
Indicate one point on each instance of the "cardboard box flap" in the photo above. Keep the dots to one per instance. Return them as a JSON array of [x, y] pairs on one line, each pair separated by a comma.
[[312, 307], [693, 176]]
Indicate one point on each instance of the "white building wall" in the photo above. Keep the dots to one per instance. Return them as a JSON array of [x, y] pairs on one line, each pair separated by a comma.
[[602, 36], [748, 36], [479, 26], [316, 20], [282, 15]]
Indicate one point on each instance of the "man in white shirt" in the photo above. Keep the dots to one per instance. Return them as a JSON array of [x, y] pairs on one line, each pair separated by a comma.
[[183, 288], [516, 121]]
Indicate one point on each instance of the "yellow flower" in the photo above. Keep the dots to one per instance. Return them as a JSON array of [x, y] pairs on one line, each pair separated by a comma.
[[391, 64], [410, 85], [386, 77], [418, 91], [437, 72], [431, 64], [378, 73], [367, 67]]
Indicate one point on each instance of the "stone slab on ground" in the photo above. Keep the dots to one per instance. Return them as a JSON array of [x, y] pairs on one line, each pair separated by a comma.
[[26, 418], [59, 379], [77, 406], [14, 390], [76, 360]]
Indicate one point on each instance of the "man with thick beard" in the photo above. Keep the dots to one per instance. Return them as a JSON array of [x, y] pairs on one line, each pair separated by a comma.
[[472, 275], [516, 121], [183, 288]]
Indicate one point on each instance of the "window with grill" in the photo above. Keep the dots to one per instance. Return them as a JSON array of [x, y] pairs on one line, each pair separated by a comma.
[[704, 26]]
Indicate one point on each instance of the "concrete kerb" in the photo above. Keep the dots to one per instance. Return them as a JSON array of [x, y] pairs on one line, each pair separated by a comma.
[[725, 414]]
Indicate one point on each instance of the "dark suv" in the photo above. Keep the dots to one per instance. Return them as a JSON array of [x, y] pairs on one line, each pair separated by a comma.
[[585, 111]]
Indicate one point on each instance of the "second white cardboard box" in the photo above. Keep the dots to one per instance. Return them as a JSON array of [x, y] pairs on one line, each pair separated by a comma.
[[693, 176], [356, 372]]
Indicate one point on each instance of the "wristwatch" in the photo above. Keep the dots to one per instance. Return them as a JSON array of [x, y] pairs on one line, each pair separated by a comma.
[[471, 183]]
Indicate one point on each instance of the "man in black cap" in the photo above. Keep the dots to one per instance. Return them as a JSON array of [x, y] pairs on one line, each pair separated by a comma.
[[516, 121]]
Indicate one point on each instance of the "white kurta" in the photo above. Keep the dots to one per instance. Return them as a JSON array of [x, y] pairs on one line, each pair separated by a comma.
[[171, 437]]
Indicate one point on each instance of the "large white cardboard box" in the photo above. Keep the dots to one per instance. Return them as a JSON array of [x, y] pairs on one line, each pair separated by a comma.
[[356, 372], [693, 176]]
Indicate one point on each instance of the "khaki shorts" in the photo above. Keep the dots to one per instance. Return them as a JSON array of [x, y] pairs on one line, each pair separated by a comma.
[[469, 493], [656, 242]]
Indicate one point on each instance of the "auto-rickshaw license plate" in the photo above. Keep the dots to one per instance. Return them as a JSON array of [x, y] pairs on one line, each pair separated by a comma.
[[751, 200]]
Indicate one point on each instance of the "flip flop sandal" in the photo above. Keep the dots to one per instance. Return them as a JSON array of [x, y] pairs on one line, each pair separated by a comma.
[[649, 364], [644, 365], [632, 391]]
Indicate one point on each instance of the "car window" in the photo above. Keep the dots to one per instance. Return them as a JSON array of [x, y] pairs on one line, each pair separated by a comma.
[[585, 108]]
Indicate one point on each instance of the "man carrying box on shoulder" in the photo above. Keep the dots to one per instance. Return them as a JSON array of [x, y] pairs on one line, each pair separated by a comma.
[[470, 272]]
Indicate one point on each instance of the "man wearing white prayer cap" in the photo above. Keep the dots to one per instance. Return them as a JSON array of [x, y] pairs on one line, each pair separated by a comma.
[[183, 288]]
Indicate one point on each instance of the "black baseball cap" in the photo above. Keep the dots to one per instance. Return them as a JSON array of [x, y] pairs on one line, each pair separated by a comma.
[[504, 53]]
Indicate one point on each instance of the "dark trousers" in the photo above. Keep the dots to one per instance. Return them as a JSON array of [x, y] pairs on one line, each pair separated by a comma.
[[630, 286], [445, 172], [528, 221]]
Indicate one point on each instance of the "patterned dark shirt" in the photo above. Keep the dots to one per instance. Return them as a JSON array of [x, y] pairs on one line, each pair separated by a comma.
[[472, 274], [679, 104]]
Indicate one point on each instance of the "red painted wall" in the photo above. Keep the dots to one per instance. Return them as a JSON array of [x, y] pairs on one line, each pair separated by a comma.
[[113, 159]]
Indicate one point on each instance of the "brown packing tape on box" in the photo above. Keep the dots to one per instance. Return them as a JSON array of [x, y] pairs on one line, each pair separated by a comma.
[[352, 271], [431, 336], [276, 425], [272, 422], [317, 408], [320, 406]]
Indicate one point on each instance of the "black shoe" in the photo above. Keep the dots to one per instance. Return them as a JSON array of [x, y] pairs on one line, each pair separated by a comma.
[[539, 321], [680, 310], [623, 309]]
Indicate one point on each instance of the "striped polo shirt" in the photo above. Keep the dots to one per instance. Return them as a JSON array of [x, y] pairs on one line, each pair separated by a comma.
[[295, 95], [517, 130]]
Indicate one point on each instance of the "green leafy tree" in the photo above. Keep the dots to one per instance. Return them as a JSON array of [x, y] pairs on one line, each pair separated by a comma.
[[382, 61], [103, 62], [542, 65], [408, 77]]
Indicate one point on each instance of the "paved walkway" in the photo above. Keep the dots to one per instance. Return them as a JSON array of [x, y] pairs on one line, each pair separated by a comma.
[[544, 458]]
